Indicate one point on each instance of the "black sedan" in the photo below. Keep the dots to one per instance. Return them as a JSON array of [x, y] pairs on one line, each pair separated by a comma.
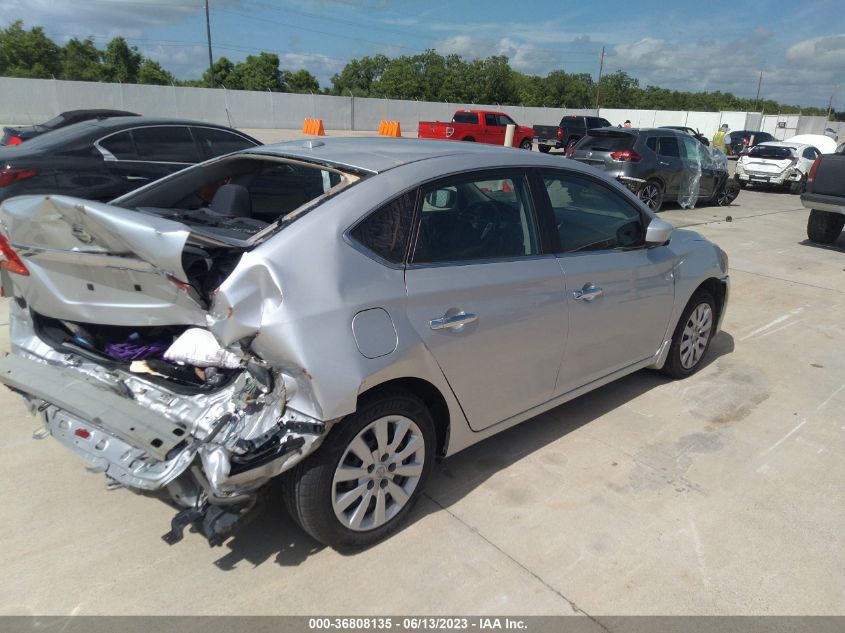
[[688, 130], [104, 159], [17, 135]]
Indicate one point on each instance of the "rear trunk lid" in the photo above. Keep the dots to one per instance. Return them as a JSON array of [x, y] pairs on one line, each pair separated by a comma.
[[93, 262]]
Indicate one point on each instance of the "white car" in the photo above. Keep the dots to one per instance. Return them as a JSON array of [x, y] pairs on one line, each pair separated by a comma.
[[777, 163]]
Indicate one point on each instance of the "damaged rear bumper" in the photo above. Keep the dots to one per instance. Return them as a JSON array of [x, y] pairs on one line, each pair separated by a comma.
[[213, 448]]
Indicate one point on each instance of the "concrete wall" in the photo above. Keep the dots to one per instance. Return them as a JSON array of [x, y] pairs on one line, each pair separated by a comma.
[[28, 101]]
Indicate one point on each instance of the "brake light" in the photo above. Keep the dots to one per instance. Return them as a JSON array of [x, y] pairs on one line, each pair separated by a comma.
[[11, 175], [626, 155], [14, 140], [9, 259], [570, 150], [559, 133], [811, 177]]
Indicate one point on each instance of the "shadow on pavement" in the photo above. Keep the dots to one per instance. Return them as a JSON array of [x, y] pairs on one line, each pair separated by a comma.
[[272, 534]]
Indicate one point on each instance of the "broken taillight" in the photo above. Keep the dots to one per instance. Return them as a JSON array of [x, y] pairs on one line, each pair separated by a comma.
[[811, 177], [11, 175], [9, 259]]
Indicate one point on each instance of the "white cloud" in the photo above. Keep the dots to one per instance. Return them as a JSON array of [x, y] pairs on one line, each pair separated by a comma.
[[819, 52]]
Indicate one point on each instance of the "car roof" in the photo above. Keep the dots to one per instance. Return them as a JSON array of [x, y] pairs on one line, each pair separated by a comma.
[[379, 154]]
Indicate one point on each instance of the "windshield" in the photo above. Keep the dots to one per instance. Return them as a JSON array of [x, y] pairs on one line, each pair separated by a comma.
[[771, 151]]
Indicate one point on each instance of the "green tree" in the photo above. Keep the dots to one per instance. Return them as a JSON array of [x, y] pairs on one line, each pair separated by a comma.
[[224, 71], [358, 76], [28, 53], [301, 81], [151, 72], [121, 62], [81, 60], [618, 90], [259, 72]]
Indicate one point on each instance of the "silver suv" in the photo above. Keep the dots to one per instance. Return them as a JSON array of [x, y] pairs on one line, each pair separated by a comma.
[[659, 164]]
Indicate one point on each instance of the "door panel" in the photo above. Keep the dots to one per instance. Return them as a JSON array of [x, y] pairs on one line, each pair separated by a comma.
[[670, 165], [619, 293], [622, 325], [506, 361], [488, 306]]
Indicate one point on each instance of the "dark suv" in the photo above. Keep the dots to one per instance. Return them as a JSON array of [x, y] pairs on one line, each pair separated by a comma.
[[660, 164], [569, 131], [740, 141]]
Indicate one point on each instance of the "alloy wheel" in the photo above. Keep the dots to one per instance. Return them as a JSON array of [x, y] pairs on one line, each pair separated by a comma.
[[378, 473], [650, 194], [726, 196], [696, 335]]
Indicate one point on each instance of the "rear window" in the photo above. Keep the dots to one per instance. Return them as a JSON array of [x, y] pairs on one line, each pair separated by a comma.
[[769, 151], [465, 117], [572, 121], [606, 142]]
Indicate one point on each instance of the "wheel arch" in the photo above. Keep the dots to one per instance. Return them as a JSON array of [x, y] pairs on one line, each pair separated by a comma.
[[431, 396]]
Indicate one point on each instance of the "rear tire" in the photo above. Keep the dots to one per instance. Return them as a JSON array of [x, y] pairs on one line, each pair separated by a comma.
[[651, 193], [692, 336], [797, 187], [742, 183], [544, 148], [728, 193], [350, 502], [823, 227], [527, 144]]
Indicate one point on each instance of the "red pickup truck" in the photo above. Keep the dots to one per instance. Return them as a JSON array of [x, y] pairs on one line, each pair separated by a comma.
[[481, 126]]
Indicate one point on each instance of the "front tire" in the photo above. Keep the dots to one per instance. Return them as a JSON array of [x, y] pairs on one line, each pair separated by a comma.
[[360, 486], [823, 227], [652, 194], [692, 336], [544, 148], [526, 144]]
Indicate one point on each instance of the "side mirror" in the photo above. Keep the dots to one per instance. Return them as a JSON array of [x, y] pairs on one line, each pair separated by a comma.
[[441, 198], [658, 232]]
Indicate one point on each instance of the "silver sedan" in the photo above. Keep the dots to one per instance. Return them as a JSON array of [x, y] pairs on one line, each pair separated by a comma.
[[338, 312]]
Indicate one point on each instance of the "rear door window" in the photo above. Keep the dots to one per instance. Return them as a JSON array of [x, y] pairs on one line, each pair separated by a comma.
[[491, 120], [120, 146], [465, 117], [166, 144], [216, 142], [470, 218], [668, 146]]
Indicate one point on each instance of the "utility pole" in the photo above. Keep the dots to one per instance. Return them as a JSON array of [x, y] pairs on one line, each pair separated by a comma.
[[208, 34], [598, 85], [830, 102], [757, 98]]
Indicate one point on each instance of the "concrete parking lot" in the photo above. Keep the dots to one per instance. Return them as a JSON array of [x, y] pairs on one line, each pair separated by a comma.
[[721, 494]]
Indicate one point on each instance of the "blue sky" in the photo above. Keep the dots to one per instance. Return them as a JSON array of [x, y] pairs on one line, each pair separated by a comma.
[[685, 45]]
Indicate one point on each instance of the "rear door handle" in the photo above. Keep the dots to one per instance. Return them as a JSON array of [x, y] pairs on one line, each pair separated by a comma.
[[135, 178], [587, 293], [455, 321]]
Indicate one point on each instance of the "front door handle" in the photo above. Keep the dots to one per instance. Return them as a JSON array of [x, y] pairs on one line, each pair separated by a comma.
[[136, 178], [455, 321], [587, 293]]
